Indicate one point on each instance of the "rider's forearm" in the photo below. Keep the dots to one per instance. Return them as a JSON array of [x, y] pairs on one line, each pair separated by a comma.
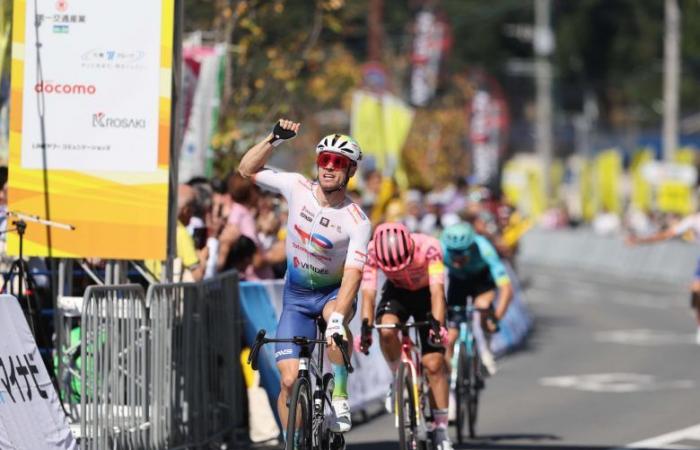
[[348, 291], [368, 297], [437, 302], [504, 297], [255, 158]]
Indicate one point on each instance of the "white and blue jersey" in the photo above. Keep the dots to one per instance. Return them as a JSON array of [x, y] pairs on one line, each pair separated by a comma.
[[321, 243]]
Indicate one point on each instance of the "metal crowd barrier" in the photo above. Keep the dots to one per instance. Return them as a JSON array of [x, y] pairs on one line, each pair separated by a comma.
[[161, 370], [114, 371], [196, 336]]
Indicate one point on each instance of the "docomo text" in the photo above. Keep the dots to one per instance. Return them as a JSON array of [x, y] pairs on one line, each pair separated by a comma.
[[65, 88]]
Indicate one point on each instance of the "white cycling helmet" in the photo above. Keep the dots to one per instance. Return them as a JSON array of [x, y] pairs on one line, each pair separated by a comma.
[[341, 144]]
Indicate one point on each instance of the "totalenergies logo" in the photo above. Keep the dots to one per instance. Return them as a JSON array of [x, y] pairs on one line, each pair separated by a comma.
[[318, 242]]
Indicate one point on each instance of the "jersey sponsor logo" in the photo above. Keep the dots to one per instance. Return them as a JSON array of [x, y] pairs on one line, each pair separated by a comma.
[[307, 214], [324, 222], [306, 250], [286, 351], [306, 266], [318, 241], [433, 254]]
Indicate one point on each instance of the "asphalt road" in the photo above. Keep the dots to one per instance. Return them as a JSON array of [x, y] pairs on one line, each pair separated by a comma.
[[609, 365]]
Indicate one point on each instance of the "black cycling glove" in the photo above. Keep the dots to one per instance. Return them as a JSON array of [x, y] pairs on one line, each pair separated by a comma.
[[280, 135], [365, 337]]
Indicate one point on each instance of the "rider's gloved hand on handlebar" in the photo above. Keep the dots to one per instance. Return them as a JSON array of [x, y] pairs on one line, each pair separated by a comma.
[[440, 337], [438, 333], [335, 325], [364, 341]]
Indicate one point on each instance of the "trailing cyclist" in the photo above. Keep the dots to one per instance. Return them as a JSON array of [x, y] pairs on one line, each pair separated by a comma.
[[326, 246], [414, 286], [474, 270]]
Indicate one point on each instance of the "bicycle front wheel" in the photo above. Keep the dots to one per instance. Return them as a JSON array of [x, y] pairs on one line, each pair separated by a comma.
[[299, 420], [475, 385], [462, 394], [406, 408]]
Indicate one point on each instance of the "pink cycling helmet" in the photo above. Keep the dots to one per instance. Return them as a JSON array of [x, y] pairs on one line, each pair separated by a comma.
[[393, 246]]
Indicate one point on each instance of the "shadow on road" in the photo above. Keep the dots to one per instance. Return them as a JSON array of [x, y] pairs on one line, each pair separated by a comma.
[[492, 443]]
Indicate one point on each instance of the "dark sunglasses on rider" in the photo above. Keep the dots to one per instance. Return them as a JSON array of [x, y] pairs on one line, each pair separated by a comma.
[[335, 160], [458, 254]]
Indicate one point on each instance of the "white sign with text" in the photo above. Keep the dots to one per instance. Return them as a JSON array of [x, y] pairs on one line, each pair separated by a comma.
[[30, 413], [100, 87]]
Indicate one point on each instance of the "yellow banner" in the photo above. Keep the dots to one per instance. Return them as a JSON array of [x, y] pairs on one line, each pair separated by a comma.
[[641, 188], [366, 124], [589, 200], [608, 174], [380, 123], [523, 185], [89, 178], [4, 34], [674, 197]]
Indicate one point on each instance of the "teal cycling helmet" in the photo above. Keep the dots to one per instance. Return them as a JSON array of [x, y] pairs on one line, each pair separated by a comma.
[[458, 237]]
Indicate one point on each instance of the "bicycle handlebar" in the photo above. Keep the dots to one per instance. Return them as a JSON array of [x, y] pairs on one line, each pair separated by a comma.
[[261, 340], [434, 325]]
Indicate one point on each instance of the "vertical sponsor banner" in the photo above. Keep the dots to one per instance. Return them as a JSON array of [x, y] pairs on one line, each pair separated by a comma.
[[672, 185], [104, 88], [398, 118], [487, 119], [589, 200], [641, 188], [523, 184], [609, 171], [202, 70], [430, 42], [366, 124]]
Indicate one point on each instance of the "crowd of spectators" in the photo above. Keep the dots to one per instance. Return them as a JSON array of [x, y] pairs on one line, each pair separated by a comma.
[[233, 224]]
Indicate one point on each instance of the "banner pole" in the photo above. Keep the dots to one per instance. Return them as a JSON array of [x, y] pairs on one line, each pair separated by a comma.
[[176, 133]]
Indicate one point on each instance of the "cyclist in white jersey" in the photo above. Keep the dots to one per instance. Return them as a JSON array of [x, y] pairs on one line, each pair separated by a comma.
[[326, 245], [689, 223]]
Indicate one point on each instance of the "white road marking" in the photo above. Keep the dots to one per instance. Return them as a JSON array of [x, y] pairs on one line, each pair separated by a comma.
[[644, 337], [669, 440], [615, 382]]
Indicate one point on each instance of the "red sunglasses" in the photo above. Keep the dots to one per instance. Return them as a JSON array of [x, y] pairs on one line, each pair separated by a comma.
[[336, 161]]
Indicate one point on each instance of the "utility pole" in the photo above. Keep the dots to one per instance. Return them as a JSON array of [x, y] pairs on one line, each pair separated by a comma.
[[374, 30], [672, 73], [543, 43]]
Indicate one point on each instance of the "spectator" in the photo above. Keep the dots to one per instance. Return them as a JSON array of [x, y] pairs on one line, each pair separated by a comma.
[[414, 210], [193, 261], [241, 222]]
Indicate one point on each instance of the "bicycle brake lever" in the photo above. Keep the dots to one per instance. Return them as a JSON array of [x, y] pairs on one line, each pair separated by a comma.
[[253, 356], [343, 346]]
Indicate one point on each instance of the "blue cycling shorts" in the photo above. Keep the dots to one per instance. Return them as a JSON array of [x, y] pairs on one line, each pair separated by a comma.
[[300, 309]]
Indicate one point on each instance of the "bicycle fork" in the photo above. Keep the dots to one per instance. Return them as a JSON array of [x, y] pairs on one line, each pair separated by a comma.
[[466, 337], [421, 425]]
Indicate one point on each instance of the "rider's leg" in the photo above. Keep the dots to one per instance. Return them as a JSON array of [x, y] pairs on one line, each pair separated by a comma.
[[436, 370], [293, 322], [340, 373], [695, 303], [341, 407], [452, 335], [482, 302], [288, 375], [457, 292], [391, 310], [389, 341]]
